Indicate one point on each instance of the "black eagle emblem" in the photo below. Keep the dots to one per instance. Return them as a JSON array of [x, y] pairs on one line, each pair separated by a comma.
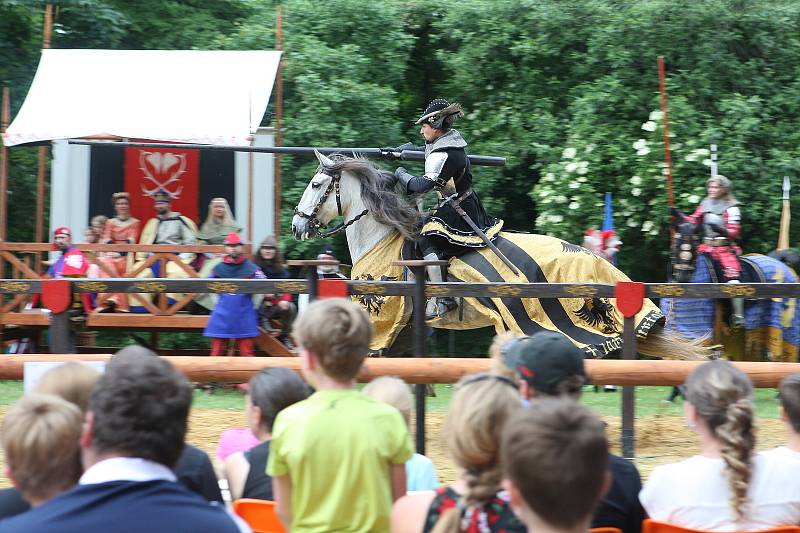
[[574, 248], [597, 313], [373, 302]]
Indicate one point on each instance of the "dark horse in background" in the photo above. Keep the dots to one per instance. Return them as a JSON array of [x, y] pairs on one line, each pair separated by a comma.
[[771, 329]]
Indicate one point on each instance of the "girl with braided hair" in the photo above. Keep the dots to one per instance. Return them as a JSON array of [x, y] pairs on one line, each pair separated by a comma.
[[475, 503], [727, 487]]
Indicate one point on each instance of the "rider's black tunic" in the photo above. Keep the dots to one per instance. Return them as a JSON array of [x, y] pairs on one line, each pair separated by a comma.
[[448, 170]]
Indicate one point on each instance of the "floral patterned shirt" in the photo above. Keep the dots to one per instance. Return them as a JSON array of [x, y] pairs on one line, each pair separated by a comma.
[[495, 516]]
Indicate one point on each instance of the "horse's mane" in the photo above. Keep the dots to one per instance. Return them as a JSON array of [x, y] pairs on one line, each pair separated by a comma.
[[379, 194]]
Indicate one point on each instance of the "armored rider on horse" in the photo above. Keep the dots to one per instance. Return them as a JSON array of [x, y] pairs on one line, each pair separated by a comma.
[[721, 218], [458, 222]]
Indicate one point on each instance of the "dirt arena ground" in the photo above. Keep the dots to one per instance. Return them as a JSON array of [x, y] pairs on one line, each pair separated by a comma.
[[659, 439]]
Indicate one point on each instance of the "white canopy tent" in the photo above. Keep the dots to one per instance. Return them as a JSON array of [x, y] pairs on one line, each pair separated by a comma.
[[209, 97], [205, 97]]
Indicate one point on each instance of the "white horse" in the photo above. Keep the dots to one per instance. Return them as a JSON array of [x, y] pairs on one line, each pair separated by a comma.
[[378, 221]]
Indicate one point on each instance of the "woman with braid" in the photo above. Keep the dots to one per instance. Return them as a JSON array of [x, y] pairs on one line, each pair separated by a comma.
[[728, 486], [475, 503]]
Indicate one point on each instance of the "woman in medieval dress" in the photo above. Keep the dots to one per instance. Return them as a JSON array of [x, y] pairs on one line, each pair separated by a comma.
[[122, 229], [219, 223]]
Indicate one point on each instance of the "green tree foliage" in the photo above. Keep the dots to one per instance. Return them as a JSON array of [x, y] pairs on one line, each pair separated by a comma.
[[567, 90]]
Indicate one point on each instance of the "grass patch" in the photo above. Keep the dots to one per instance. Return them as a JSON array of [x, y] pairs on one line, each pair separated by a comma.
[[649, 400]]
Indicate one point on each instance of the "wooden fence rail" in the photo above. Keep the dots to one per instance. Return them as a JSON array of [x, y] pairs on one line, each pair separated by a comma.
[[423, 370]]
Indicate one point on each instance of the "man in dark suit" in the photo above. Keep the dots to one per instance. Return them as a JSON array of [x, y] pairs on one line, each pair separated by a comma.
[[132, 438]]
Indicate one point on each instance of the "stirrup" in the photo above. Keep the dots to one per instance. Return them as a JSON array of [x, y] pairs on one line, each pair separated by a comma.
[[439, 306], [736, 320]]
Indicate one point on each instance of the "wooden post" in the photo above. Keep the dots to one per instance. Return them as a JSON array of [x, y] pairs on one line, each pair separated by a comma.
[[4, 118], [420, 334], [278, 119], [630, 298]]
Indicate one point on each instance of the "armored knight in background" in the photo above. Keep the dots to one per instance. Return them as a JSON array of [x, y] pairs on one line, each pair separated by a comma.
[[445, 233], [721, 218]]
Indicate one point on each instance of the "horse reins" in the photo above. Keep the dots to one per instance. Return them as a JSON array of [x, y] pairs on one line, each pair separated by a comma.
[[314, 222]]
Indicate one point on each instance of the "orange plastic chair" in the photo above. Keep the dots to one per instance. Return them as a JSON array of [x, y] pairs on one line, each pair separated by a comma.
[[260, 515], [655, 526], [605, 530]]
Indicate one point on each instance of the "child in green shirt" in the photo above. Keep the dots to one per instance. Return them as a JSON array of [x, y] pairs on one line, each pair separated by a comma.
[[338, 458]]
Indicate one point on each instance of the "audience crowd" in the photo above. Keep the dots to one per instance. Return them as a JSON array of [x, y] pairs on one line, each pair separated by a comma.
[[106, 452]]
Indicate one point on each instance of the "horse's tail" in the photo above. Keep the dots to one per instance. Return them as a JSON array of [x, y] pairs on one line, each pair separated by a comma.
[[666, 344]]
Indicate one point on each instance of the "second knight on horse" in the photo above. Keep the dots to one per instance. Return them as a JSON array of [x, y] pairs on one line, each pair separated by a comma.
[[721, 218], [446, 233]]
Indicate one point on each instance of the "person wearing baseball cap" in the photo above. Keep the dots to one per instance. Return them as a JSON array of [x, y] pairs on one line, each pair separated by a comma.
[[547, 365]]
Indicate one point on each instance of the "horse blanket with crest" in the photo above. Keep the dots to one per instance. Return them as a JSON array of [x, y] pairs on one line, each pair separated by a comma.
[[594, 324], [772, 325]]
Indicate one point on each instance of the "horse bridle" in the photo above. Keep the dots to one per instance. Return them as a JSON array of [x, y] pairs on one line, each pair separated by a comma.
[[314, 222]]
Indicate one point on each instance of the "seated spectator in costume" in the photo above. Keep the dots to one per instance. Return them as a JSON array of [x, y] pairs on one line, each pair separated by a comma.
[[40, 435], [122, 229], [549, 365], [219, 223], [98, 225], [234, 316], [542, 443], [478, 412], [331, 471], [268, 393], [275, 307], [728, 486], [167, 227], [420, 473], [132, 437]]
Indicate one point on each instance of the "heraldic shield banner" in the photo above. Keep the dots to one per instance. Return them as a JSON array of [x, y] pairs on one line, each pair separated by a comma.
[[175, 171]]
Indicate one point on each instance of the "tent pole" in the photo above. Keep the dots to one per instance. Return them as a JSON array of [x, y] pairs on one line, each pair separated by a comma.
[[250, 197], [40, 175], [4, 118], [278, 118]]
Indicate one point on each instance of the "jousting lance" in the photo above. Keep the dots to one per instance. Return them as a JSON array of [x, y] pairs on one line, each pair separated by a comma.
[[380, 153]]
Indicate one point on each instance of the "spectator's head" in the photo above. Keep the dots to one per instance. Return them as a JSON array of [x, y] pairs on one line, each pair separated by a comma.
[[98, 225], [40, 436], [268, 393], [122, 204], [327, 254], [333, 336], [71, 381], [269, 253], [393, 391], [719, 406], [162, 201], [233, 245], [789, 392], [555, 460], [89, 236], [546, 364], [62, 238], [476, 417], [139, 408], [496, 351]]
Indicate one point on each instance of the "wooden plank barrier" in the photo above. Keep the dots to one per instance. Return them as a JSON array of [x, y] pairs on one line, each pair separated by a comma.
[[424, 370]]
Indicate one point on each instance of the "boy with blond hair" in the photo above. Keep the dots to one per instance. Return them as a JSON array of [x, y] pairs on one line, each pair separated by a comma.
[[40, 437], [338, 458], [420, 472]]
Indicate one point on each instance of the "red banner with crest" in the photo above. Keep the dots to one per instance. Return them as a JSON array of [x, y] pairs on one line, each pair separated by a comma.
[[171, 169]]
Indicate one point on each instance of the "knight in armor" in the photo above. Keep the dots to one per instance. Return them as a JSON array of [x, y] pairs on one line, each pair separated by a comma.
[[721, 218], [445, 234]]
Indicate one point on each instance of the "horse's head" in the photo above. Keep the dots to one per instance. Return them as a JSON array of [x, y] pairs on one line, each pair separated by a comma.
[[320, 202], [684, 251]]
